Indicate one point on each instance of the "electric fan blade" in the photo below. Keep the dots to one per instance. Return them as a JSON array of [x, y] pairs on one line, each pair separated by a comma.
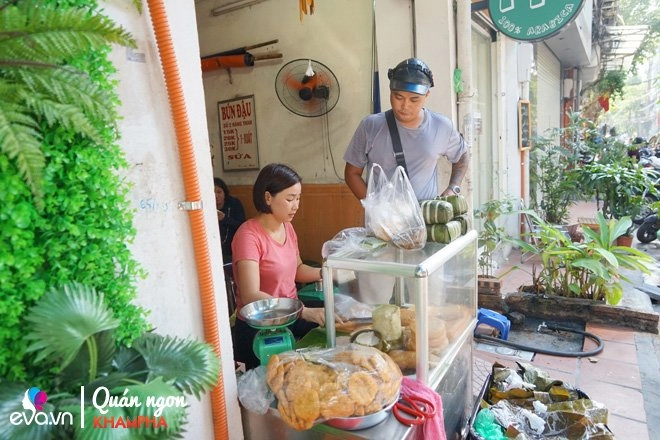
[[306, 82], [292, 83], [307, 88]]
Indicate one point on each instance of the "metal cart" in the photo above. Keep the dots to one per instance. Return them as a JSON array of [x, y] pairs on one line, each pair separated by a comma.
[[438, 279]]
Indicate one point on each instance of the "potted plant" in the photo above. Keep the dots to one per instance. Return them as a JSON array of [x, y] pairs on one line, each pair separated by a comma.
[[610, 85], [619, 187], [590, 269], [85, 373], [549, 162], [491, 235], [552, 161]]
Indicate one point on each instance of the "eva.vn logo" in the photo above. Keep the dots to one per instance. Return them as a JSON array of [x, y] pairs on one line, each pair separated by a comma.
[[33, 405], [34, 399]]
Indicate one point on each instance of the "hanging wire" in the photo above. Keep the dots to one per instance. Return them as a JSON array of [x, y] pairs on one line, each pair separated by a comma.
[[326, 138]]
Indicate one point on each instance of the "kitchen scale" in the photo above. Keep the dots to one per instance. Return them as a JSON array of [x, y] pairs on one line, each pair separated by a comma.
[[312, 294], [272, 317]]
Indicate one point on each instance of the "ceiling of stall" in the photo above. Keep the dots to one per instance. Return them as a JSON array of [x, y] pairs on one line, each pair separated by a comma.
[[219, 7]]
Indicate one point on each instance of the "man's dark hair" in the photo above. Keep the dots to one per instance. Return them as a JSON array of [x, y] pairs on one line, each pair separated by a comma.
[[273, 178], [411, 75]]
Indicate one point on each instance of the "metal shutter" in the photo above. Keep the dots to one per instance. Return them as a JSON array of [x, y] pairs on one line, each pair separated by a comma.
[[548, 105]]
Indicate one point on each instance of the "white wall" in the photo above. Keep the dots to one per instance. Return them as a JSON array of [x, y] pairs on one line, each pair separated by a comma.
[[509, 93], [163, 243], [338, 35], [436, 44]]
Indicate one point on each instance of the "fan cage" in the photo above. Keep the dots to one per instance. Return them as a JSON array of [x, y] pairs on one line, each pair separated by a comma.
[[303, 95]]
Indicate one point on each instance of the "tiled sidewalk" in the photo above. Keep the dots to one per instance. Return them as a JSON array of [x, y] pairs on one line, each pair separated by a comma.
[[613, 377]]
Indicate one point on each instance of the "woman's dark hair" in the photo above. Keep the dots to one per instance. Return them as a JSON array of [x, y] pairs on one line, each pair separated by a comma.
[[273, 178], [221, 183]]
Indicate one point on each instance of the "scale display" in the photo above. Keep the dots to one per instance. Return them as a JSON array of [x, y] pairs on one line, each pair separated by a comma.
[[273, 340]]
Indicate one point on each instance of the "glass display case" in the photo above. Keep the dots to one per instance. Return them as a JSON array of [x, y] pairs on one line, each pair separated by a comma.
[[437, 286], [438, 283]]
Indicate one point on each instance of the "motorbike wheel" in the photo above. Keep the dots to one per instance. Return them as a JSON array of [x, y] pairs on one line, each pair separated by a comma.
[[647, 232]]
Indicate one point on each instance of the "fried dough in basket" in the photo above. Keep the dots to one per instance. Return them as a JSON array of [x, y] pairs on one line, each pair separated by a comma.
[[315, 384]]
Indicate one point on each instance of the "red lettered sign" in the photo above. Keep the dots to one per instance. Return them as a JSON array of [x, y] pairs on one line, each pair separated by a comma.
[[238, 134]]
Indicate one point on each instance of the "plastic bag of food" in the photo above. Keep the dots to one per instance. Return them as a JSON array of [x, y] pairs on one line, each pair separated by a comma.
[[392, 212], [318, 384], [351, 241], [348, 308], [253, 392]]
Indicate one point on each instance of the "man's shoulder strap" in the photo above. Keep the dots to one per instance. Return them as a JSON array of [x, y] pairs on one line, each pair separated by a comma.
[[396, 140]]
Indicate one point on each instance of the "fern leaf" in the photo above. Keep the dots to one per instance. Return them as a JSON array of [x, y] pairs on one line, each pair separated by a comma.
[[20, 140], [34, 31], [67, 86], [37, 40], [67, 115]]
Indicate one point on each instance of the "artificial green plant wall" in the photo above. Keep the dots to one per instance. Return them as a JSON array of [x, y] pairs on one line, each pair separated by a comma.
[[81, 228]]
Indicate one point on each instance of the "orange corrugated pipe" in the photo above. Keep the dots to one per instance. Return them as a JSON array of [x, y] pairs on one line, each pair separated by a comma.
[[191, 183]]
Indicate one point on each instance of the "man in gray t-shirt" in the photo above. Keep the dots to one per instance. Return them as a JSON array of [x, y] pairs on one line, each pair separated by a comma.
[[425, 137]]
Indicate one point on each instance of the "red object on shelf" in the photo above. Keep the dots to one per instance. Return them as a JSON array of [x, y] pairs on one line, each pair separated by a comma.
[[604, 102], [239, 60], [239, 57]]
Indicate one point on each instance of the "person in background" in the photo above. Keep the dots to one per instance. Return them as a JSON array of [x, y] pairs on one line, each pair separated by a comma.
[[230, 216], [425, 137], [634, 150], [266, 257]]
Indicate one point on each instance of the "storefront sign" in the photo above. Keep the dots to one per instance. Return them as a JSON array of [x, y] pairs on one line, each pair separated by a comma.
[[532, 20], [238, 134]]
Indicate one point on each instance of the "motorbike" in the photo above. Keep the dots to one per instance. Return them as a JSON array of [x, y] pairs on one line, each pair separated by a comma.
[[648, 230], [649, 159], [651, 194]]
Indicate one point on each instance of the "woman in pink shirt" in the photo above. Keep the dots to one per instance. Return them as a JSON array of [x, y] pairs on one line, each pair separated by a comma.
[[266, 260]]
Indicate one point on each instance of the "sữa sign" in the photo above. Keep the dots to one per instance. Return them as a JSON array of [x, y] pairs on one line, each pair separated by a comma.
[[238, 134]]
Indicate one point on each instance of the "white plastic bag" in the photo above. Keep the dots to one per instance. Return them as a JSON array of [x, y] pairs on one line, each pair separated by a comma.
[[348, 308], [351, 241], [392, 212], [253, 391]]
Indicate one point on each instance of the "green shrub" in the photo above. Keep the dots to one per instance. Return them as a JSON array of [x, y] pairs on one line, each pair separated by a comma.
[[591, 269], [73, 337], [83, 227]]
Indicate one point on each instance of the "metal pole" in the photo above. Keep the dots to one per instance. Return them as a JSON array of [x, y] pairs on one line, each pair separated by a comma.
[[399, 285], [464, 64]]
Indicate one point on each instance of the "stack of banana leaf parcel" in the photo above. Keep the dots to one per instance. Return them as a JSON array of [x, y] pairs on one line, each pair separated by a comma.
[[446, 218]]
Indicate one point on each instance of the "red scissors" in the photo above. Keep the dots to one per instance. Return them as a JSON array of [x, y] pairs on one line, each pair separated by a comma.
[[413, 410]]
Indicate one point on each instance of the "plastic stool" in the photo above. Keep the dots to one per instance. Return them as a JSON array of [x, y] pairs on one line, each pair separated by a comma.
[[495, 320]]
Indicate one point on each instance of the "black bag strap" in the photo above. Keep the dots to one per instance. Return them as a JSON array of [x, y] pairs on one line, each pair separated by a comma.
[[396, 140]]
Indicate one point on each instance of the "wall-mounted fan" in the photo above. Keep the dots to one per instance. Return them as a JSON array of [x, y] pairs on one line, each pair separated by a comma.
[[307, 88]]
